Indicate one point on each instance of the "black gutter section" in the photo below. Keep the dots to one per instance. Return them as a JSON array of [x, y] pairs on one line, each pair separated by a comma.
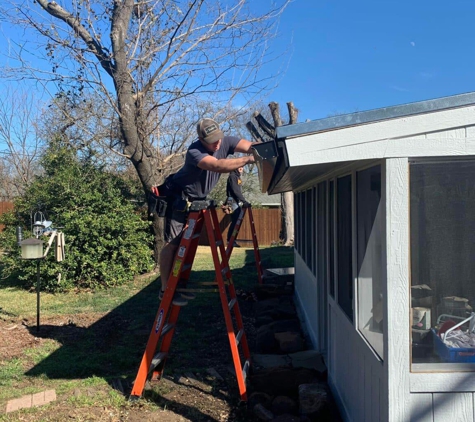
[[272, 163], [370, 116], [282, 165]]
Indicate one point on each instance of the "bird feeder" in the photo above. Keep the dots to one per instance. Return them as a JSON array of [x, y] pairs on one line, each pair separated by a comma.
[[31, 249]]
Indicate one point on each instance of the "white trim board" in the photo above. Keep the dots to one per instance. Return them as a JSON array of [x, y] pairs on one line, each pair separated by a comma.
[[390, 148], [301, 149], [431, 382], [397, 339]]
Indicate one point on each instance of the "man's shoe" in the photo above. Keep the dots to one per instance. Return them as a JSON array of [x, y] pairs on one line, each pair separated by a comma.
[[187, 295], [236, 245], [178, 299]]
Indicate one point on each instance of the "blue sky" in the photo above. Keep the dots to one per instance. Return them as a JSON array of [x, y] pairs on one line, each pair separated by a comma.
[[348, 55], [359, 55]]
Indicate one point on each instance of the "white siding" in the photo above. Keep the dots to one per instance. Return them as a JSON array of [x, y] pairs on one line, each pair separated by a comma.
[[306, 292], [351, 363]]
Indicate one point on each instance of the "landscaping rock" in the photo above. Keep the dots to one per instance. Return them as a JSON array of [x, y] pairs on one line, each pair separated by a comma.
[[309, 359], [265, 340], [287, 418], [290, 342], [282, 405], [271, 361], [281, 381], [259, 398], [262, 413], [313, 400]]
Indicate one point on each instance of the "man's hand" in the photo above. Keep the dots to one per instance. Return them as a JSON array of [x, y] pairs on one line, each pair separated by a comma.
[[227, 209]]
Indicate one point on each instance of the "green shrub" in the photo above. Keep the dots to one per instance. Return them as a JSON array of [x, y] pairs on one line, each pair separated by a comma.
[[107, 239]]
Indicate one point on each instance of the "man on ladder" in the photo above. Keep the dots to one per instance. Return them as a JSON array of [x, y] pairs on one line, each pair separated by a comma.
[[205, 160]]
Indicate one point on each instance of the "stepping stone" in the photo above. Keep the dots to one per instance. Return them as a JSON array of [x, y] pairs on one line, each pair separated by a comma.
[[271, 361]]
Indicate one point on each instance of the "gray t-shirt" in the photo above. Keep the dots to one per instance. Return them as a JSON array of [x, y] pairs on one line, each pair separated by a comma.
[[196, 182]]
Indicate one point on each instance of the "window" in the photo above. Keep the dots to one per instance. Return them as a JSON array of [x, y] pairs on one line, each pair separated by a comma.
[[344, 245], [369, 229], [321, 222], [309, 239], [331, 237], [442, 238]]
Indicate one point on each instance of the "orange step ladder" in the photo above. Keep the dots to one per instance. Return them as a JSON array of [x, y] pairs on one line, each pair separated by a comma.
[[237, 227], [202, 214]]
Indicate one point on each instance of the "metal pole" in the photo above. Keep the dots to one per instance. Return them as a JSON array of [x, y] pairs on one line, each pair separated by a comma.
[[38, 295]]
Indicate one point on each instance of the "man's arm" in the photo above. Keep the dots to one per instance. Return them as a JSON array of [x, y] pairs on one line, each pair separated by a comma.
[[224, 165], [243, 146]]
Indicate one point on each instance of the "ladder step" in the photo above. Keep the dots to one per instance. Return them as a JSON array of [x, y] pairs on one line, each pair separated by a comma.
[[231, 303], [159, 357], [196, 235], [185, 267], [239, 335], [245, 369], [205, 290], [166, 328]]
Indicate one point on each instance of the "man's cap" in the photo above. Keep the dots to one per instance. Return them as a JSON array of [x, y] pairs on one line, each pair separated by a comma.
[[209, 131]]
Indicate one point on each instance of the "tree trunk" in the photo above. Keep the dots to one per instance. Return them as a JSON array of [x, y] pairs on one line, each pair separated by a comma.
[[287, 198]]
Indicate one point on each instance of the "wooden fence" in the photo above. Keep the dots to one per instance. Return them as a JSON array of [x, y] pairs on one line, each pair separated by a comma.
[[267, 223], [4, 207]]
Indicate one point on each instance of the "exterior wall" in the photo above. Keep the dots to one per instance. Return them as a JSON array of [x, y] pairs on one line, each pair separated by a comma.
[[355, 374], [306, 292]]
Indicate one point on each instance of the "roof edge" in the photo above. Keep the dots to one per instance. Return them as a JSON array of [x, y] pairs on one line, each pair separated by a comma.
[[385, 113]]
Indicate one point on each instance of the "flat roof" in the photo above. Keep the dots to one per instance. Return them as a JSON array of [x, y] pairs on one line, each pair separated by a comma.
[[385, 113]]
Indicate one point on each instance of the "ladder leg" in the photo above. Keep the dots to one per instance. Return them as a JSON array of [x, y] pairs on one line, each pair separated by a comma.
[[221, 269], [167, 314], [257, 253], [237, 227]]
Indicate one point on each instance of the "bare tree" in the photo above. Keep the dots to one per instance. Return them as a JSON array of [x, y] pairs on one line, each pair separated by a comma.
[[152, 61], [19, 143], [266, 131]]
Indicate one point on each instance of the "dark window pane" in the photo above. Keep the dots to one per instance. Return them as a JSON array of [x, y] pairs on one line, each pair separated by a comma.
[[331, 239], [344, 246]]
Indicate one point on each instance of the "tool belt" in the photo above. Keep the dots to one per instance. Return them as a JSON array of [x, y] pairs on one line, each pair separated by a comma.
[[167, 197]]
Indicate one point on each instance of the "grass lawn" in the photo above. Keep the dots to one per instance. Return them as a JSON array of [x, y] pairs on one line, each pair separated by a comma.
[[87, 341]]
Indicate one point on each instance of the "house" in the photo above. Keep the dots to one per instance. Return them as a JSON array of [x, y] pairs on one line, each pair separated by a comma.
[[385, 253]]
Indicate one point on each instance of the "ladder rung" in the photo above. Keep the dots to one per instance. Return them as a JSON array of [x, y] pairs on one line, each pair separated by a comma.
[[231, 303], [245, 370], [224, 270], [186, 267], [205, 290], [219, 242], [239, 335], [196, 235], [156, 360], [166, 328]]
